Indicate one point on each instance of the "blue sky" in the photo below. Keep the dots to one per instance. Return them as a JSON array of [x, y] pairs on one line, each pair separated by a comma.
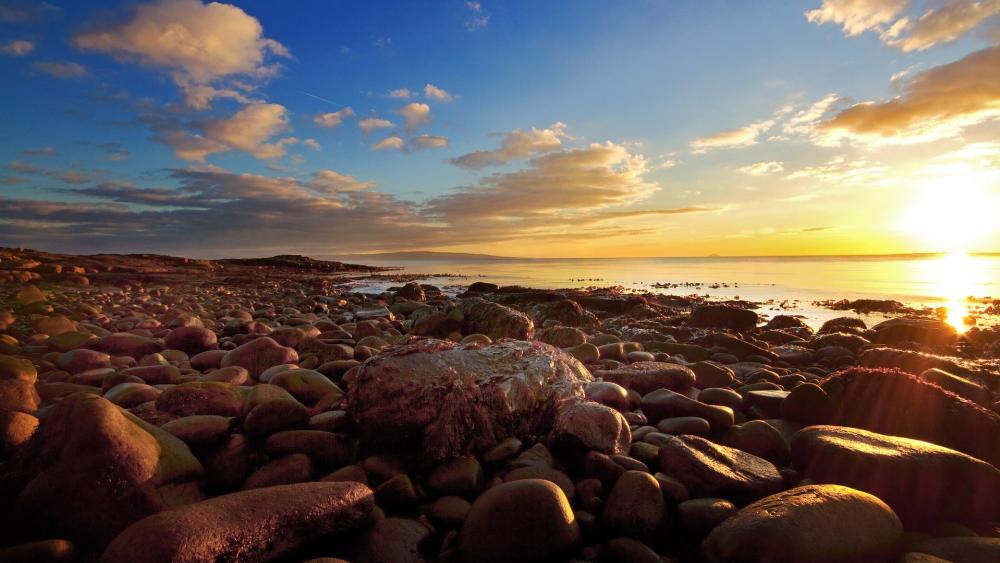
[[633, 128]]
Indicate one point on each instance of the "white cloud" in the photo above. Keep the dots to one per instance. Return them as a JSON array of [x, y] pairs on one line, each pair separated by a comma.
[[250, 129], [401, 93], [415, 115], [389, 143], [733, 138], [763, 168], [333, 182], [313, 144], [204, 47], [516, 144], [477, 18], [858, 16], [370, 124], [333, 118], [17, 48], [841, 171], [430, 142], [432, 92]]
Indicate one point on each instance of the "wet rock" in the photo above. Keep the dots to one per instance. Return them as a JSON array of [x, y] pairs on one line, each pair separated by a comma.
[[932, 332], [815, 523], [441, 400], [920, 480], [711, 470], [93, 469], [609, 394], [261, 524], [586, 425], [645, 377], [494, 320], [723, 316], [520, 522]]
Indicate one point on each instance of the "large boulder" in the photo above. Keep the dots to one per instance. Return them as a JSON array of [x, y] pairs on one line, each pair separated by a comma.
[[900, 404], [723, 316], [258, 355], [437, 399], [815, 523], [921, 481], [92, 469], [932, 332], [255, 525], [565, 312], [494, 320]]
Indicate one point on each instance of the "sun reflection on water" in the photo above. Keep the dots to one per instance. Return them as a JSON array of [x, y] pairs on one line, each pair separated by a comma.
[[954, 278]]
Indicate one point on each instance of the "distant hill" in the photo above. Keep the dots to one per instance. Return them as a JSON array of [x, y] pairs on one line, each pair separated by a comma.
[[425, 255]]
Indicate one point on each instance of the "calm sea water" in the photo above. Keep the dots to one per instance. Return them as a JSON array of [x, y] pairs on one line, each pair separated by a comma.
[[784, 284]]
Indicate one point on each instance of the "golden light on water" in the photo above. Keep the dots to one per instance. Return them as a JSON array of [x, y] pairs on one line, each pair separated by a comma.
[[954, 278]]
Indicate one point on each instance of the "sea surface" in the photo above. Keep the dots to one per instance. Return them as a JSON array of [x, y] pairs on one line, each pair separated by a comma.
[[788, 285]]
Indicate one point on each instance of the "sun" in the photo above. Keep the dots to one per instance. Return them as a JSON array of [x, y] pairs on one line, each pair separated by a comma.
[[951, 215]]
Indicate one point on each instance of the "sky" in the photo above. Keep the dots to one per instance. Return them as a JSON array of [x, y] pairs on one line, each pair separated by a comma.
[[577, 128]]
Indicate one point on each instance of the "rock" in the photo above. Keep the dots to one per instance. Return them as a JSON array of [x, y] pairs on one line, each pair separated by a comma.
[[201, 397], [609, 394], [19, 395], [932, 332], [899, 404], [127, 344], [710, 375], [961, 550], [815, 523], [562, 336], [586, 352], [519, 522], [565, 312], [200, 430], [449, 510], [93, 469], [17, 368], [586, 425], [211, 359], [325, 448], [627, 550], [80, 360], [393, 540], [635, 506], [684, 425], [958, 385], [807, 404], [258, 355], [15, 430], [494, 320], [440, 400], [546, 473], [191, 339], [906, 360], [45, 551], [920, 480], [155, 375], [662, 404], [457, 476], [294, 468], [256, 525], [723, 316], [129, 395], [760, 438], [645, 377], [711, 470], [228, 465], [396, 492], [741, 348], [700, 515], [306, 385], [482, 287]]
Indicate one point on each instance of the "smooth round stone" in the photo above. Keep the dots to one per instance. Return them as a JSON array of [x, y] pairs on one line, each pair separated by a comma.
[[684, 425], [200, 430], [586, 353], [722, 397], [547, 473], [45, 551], [760, 439], [628, 550], [700, 515], [807, 404], [767, 400], [503, 451], [635, 505], [961, 549], [709, 375], [519, 522], [608, 394], [457, 476], [639, 356], [15, 429], [450, 510], [295, 468], [827, 523], [396, 492], [201, 397]]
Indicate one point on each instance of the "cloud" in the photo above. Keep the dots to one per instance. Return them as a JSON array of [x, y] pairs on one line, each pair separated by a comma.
[[17, 48], [333, 118], [333, 182], [476, 18], [841, 171], [430, 142], [898, 26], [733, 138], [515, 145], [383, 42], [23, 11], [763, 168], [858, 16], [415, 115], [251, 129], [45, 151], [936, 103], [432, 92], [114, 151], [313, 144], [11, 180], [23, 167], [389, 143], [370, 124], [804, 122], [62, 69], [209, 50], [401, 93]]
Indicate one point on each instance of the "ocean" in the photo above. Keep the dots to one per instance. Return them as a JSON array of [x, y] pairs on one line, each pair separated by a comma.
[[783, 285]]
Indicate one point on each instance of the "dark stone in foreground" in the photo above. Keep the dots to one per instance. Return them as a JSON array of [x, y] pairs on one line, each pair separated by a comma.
[[711, 470], [257, 525], [921, 481], [815, 523], [436, 399]]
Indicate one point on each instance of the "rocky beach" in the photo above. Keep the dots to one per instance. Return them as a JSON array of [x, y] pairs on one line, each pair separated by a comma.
[[165, 409]]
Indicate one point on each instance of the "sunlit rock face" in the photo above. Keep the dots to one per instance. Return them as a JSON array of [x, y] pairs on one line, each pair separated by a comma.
[[438, 399]]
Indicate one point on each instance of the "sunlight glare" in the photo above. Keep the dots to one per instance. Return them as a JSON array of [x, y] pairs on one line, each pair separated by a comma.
[[954, 278], [951, 216]]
